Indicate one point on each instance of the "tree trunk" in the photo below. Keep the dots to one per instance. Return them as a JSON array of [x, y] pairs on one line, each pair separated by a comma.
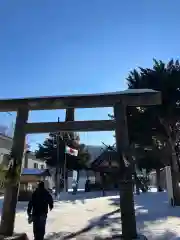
[[66, 179], [103, 186], [26, 159], [158, 180], [175, 175], [175, 180], [173, 163], [137, 184], [78, 176], [57, 182]]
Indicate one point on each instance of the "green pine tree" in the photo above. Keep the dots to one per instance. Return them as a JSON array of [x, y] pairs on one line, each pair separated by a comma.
[[48, 151], [163, 120]]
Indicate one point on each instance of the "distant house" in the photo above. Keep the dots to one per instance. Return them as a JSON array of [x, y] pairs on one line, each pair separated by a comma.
[[29, 180], [29, 159], [105, 165], [106, 161], [30, 177], [94, 151]]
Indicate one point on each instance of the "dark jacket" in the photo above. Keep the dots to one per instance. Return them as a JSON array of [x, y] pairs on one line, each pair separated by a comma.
[[39, 203]]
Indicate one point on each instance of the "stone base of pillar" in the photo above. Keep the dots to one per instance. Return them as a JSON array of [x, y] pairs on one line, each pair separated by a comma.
[[20, 236]]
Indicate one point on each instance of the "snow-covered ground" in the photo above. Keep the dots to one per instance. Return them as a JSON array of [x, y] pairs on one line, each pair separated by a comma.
[[156, 219], [92, 214]]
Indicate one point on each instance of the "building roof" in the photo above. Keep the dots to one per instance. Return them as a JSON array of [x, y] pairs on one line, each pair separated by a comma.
[[94, 151], [107, 156], [35, 171]]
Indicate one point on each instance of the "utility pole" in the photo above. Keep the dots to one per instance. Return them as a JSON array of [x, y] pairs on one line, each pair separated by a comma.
[[58, 172], [65, 168], [69, 117], [65, 161]]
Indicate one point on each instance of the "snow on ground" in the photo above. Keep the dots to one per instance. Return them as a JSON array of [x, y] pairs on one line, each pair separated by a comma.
[[90, 214], [156, 218]]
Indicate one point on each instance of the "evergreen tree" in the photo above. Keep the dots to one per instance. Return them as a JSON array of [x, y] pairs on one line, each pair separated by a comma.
[[53, 150], [163, 119]]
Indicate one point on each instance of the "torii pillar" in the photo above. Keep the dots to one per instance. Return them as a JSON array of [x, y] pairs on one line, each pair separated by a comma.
[[12, 188], [126, 185]]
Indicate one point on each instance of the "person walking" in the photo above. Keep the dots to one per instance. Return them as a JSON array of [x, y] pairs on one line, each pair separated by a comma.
[[38, 209]]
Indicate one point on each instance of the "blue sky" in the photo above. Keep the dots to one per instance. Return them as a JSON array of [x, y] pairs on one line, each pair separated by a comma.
[[59, 47]]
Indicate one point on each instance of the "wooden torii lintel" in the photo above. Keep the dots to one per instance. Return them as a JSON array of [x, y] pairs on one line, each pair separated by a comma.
[[130, 97]]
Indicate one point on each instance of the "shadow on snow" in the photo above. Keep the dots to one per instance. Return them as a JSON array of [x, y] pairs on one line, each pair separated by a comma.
[[151, 209], [104, 221]]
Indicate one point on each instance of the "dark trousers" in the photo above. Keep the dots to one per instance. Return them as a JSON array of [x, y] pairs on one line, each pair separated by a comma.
[[39, 225]]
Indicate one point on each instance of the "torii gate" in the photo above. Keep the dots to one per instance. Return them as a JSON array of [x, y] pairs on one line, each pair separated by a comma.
[[118, 100]]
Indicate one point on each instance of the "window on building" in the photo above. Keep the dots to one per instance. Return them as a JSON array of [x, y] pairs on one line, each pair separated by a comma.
[[35, 165], [42, 166]]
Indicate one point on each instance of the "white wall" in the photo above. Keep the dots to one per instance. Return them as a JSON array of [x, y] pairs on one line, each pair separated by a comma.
[[39, 163], [31, 160], [5, 147], [81, 184], [82, 179]]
